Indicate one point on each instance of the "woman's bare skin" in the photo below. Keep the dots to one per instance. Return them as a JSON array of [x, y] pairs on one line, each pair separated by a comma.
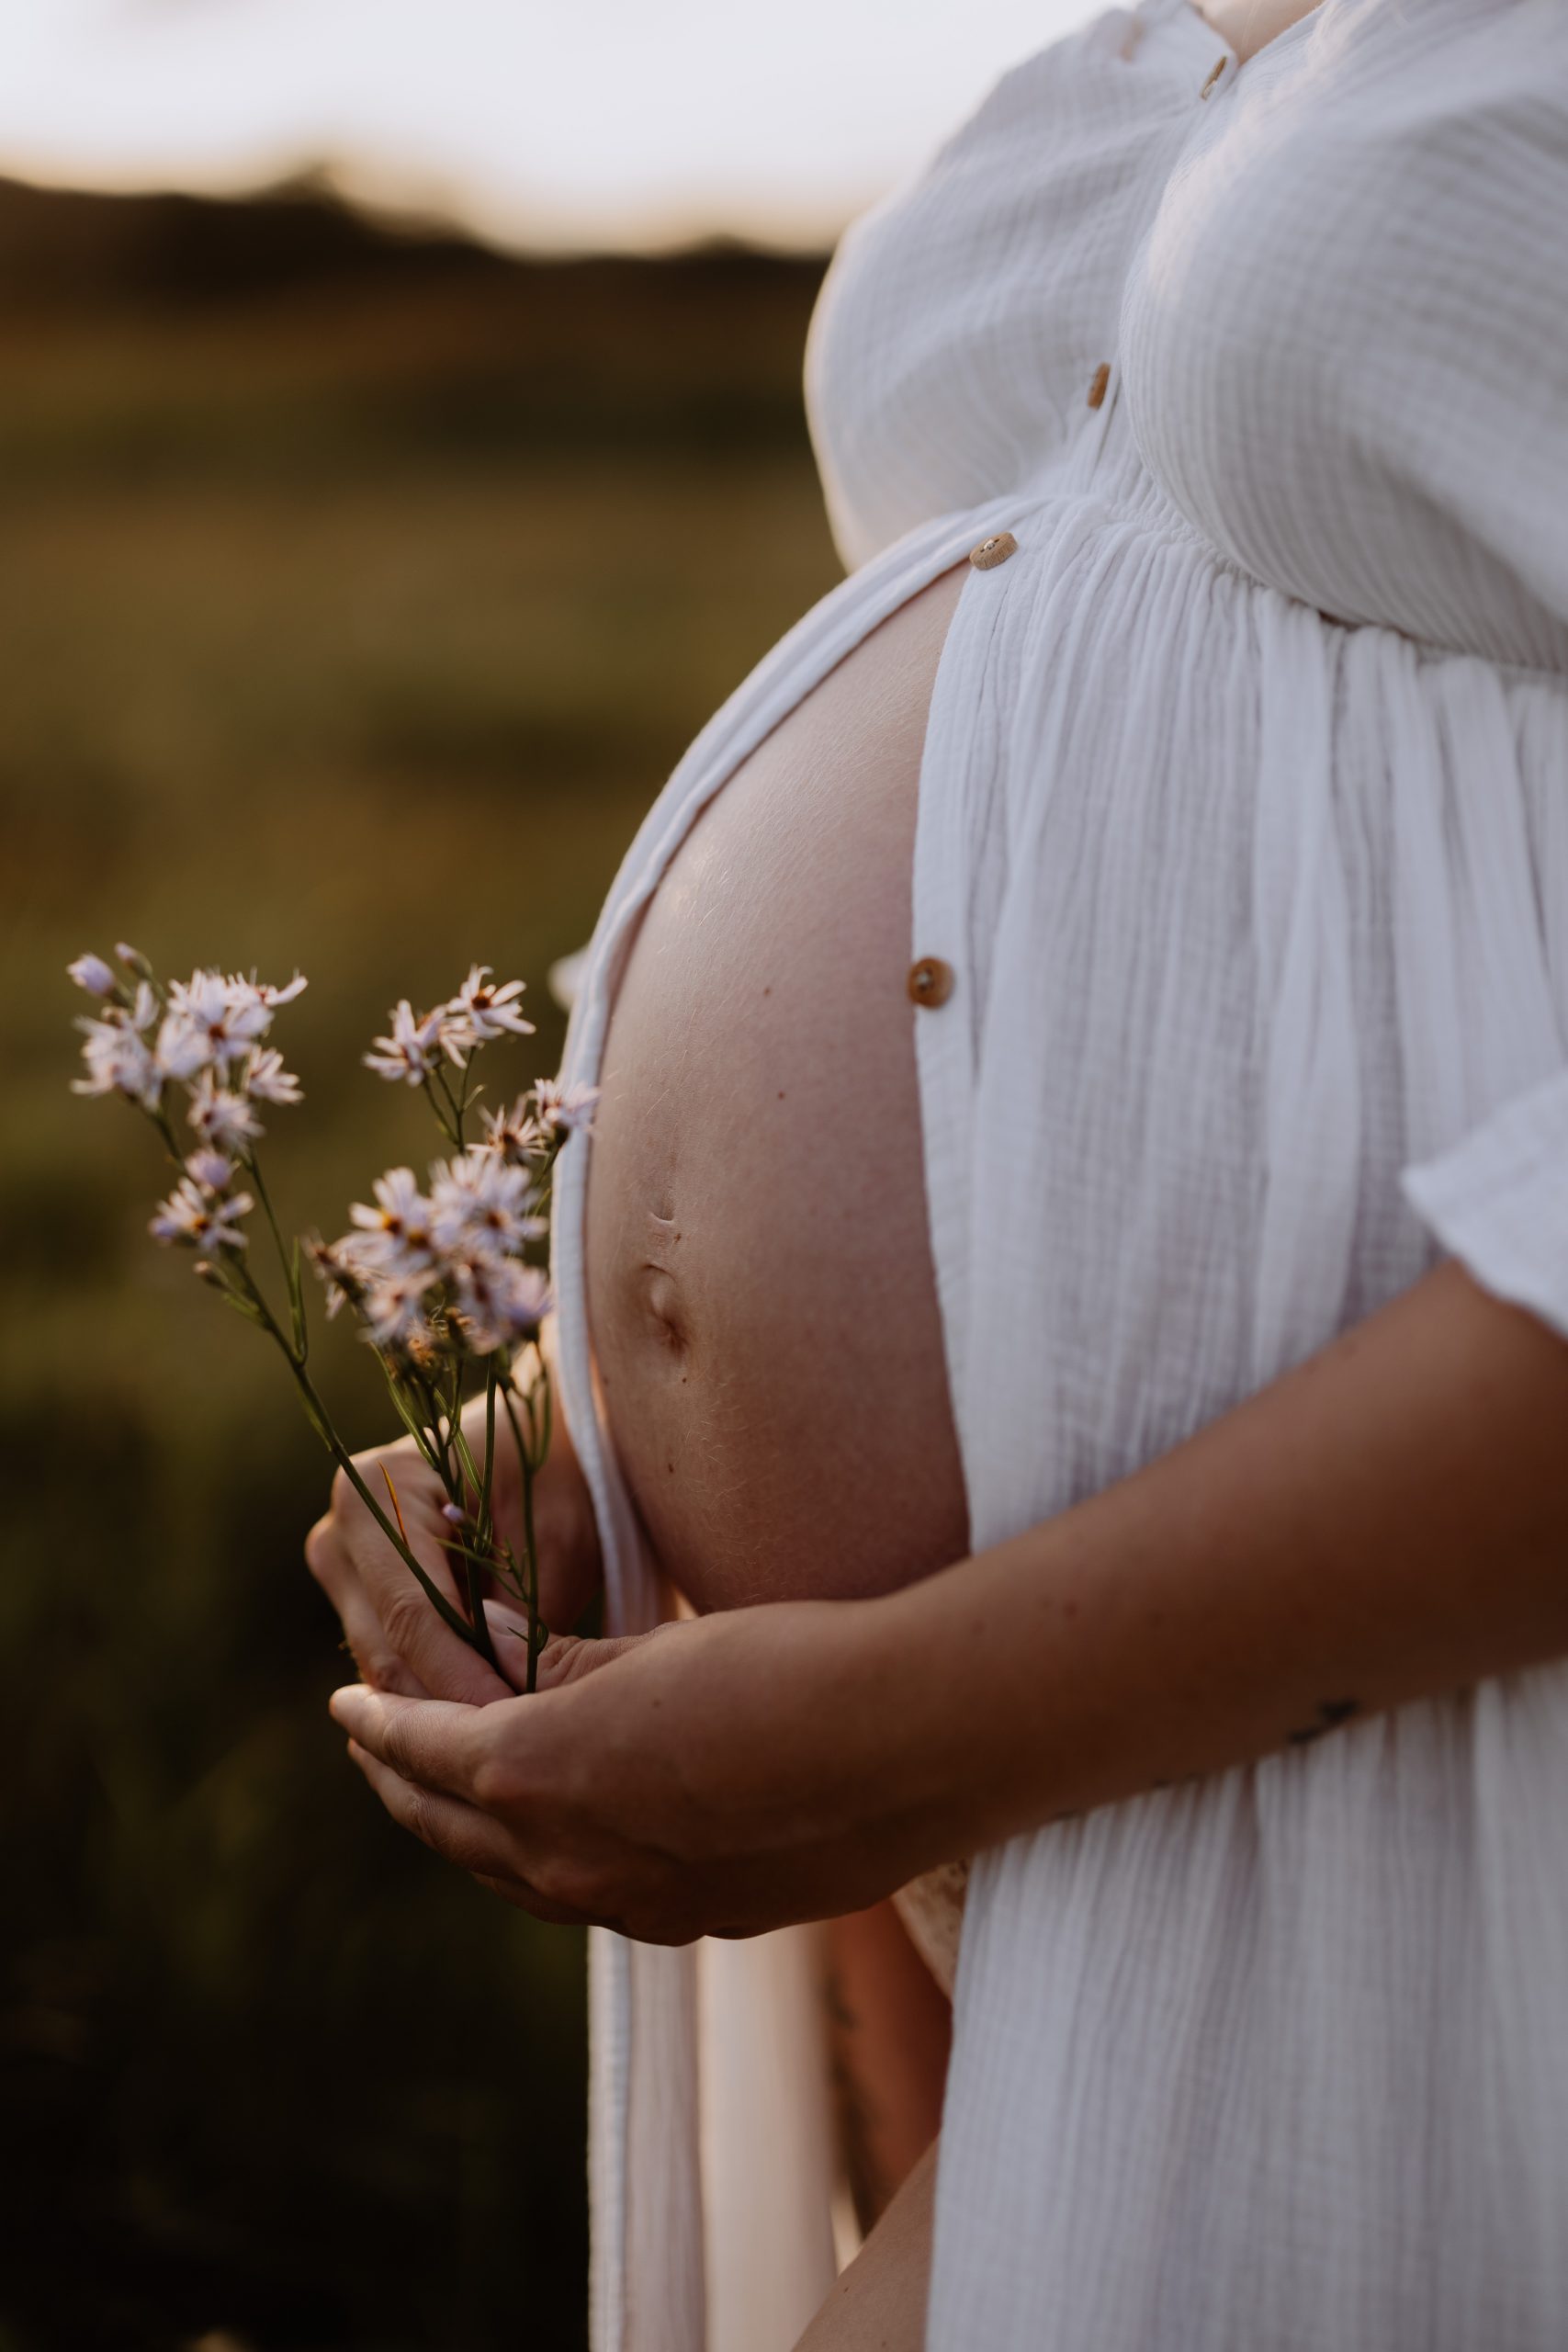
[[761, 1291], [889, 2032], [879, 2302], [1248, 26]]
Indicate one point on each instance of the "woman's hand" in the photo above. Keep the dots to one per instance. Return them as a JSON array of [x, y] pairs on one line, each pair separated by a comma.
[[717, 1777], [1388, 1523], [398, 1640]]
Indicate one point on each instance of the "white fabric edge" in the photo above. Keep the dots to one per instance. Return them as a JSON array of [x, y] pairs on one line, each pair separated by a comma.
[[1498, 1200]]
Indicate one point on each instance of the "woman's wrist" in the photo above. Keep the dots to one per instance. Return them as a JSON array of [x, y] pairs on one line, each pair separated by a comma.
[[932, 1748]]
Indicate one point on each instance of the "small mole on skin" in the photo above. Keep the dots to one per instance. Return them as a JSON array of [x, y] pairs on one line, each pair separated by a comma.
[[767, 991], [781, 1094]]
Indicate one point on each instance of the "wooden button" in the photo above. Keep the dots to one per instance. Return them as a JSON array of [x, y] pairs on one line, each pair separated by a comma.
[[1097, 383], [929, 981], [1215, 70], [992, 551]]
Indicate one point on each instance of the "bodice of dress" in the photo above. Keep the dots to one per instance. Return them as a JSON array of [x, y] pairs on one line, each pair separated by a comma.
[[1331, 291]]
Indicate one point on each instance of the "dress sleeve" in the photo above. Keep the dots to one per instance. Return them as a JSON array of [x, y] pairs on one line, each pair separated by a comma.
[[1498, 1200], [1484, 437]]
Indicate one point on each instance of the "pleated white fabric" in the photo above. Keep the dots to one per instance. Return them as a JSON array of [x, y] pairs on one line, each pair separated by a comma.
[[1244, 824]]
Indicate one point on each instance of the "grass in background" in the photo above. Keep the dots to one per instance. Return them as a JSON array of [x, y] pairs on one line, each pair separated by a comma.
[[349, 619]]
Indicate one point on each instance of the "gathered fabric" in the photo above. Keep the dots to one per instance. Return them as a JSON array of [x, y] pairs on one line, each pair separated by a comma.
[[1243, 827]]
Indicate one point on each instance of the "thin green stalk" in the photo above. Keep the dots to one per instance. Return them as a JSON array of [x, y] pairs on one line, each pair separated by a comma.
[[288, 1265], [484, 1538], [530, 1544], [478, 1636], [253, 1168], [485, 1517], [450, 1121]]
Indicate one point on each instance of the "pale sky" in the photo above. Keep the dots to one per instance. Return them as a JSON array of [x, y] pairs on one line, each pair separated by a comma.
[[534, 123]]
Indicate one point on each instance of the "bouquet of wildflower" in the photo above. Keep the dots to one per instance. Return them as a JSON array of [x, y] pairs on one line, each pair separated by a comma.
[[440, 1280]]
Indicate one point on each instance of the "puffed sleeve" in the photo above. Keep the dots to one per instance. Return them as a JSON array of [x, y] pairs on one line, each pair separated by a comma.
[[1490, 447], [1498, 1200]]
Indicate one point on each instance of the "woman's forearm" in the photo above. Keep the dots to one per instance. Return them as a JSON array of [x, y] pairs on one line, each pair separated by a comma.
[[1388, 1523]]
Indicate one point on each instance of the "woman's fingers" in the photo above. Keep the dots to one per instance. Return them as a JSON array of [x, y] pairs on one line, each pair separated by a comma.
[[459, 1834], [438, 1659], [401, 1642], [468, 1837], [568, 1657], [427, 1740], [365, 1639], [509, 1638]]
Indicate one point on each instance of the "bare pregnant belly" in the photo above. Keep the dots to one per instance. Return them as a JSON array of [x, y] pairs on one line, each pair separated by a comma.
[[760, 1284]]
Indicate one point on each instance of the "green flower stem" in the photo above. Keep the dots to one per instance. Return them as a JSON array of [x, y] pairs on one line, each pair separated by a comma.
[[484, 1540], [450, 1120], [530, 1544], [289, 1263], [478, 1636], [486, 1524]]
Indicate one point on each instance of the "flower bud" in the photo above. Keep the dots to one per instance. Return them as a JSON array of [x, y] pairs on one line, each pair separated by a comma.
[[91, 972], [452, 1516], [133, 960], [211, 1169]]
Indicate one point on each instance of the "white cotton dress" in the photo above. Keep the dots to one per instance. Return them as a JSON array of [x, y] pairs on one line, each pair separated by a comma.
[[1244, 826]]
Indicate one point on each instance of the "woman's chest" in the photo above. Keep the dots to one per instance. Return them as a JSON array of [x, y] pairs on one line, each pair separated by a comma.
[[1340, 340], [1313, 302], [1248, 26]]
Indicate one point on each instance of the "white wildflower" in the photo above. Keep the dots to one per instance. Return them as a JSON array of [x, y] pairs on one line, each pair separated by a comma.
[[340, 1267], [91, 972], [564, 1109], [498, 1301], [479, 1204], [195, 1216], [394, 1236], [480, 1011], [266, 1080], [516, 1134], [416, 1046], [211, 1170], [394, 1312], [223, 1119], [210, 1023], [120, 1061], [246, 993]]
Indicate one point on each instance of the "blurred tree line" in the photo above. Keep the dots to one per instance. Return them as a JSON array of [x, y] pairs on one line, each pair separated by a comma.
[[357, 591]]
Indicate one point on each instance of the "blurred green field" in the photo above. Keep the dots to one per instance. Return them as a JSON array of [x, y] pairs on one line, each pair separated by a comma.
[[355, 599]]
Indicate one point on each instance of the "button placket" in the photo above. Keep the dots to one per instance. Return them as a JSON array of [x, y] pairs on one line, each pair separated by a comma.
[[931, 980]]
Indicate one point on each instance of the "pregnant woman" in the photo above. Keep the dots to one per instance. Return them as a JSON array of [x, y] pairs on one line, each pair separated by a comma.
[[1061, 1318]]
